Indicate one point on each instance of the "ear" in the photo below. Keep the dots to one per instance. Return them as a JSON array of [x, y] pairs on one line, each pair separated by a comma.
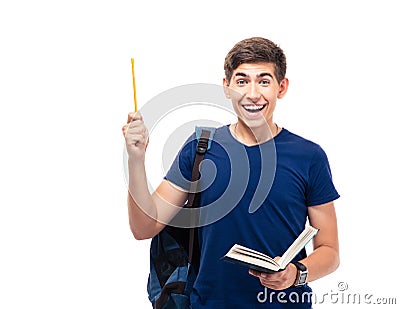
[[226, 88], [283, 88]]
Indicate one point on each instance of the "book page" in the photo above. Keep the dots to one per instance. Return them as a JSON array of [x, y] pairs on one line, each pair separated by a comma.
[[253, 253], [249, 259], [308, 233]]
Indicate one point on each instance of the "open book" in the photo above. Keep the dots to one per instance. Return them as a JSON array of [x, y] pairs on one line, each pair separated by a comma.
[[264, 263]]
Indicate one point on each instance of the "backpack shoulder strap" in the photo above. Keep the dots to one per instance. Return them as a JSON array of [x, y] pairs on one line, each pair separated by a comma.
[[209, 132], [204, 138]]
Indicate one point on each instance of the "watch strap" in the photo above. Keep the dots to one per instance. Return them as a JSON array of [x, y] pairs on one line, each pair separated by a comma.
[[302, 274]]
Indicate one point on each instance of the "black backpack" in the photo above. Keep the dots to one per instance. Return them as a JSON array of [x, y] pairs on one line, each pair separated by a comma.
[[174, 252]]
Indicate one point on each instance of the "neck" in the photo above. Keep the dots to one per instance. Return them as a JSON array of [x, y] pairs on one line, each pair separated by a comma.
[[254, 136]]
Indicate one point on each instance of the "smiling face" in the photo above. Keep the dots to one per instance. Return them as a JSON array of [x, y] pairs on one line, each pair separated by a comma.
[[254, 90]]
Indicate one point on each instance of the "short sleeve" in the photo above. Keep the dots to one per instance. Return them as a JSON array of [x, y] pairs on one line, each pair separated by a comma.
[[180, 172], [320, 187]]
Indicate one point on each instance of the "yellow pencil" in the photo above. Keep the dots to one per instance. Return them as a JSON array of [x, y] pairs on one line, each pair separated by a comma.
[[134, 85]]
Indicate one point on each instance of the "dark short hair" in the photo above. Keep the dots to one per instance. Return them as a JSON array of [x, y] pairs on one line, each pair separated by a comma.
[[254, 50]]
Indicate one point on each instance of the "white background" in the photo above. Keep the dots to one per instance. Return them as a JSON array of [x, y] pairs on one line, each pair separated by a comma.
[[65, 81]]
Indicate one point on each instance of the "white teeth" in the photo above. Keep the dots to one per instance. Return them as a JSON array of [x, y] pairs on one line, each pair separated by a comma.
[[253, 107]]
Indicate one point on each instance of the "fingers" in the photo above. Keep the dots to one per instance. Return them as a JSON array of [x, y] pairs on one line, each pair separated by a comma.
[[134, 116], [272, 281], [134, 121], [254, 273], [277, 281], [262, 277], [135, 133]]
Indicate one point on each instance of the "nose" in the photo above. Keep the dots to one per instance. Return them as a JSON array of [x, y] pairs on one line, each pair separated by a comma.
[[253, 94]]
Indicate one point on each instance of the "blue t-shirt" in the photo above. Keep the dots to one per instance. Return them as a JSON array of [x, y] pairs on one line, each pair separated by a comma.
[[256, 196]]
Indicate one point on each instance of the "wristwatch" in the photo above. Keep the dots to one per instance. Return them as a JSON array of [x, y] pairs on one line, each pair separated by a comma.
[[302, 273]]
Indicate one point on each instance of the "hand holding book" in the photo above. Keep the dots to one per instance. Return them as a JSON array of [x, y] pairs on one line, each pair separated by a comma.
[[264, 263]]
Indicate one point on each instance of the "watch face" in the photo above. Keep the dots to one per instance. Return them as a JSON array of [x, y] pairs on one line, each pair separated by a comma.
[[302, 277]]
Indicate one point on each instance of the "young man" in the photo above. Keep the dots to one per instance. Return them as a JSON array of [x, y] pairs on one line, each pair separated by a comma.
[[301, 189]]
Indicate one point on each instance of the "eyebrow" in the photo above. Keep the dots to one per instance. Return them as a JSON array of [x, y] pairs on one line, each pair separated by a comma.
[[266, 74], [258, 75]]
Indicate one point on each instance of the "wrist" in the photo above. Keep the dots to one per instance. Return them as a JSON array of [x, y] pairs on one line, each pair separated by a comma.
[[136, 161], [293, 274], [136, 173]]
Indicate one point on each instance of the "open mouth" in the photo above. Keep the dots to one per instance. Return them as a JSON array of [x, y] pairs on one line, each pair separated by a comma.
[[254, 108]]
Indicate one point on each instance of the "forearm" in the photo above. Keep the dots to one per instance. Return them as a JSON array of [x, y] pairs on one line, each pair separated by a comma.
[[141, 206], [321, 262], [325, 257]]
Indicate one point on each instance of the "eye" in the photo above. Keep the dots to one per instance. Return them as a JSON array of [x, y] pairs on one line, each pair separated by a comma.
[[241, 82], [265, 82]]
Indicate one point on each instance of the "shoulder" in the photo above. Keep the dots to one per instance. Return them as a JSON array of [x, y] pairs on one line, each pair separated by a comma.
[[290, 137], [300, 144]]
